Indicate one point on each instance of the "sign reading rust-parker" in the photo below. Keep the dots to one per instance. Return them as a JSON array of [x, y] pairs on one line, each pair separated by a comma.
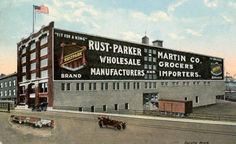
[[85, 57]]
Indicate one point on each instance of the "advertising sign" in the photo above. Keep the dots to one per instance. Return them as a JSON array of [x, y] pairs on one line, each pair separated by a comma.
[[85, 57]]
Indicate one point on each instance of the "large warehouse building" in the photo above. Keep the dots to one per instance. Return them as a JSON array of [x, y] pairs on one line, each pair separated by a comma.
[[72, 70]]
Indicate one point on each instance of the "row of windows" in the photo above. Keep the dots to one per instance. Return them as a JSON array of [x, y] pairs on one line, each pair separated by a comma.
[[196, 99], [185, 83], [105, 86], [43, 52], [43, 41], [8, 84], [8, 93], [43, 74], [104, 107], [43, 63]]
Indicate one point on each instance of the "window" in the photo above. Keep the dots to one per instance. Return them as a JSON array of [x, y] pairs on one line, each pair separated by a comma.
[[23, 78], [23, 59], [102, 86], [32, 66], [150, 85], [145, 58], [9, 83], [124, 85], [138, 85], [23, 50], [104, 108], [106, 86], [32, 46], [43, 87], [94, 86], [134, 84], [43, 63], [90, 86], [126, 106], [33, 76], [127, 85], [118, 86], [1, 86], [154, 85], [14, 92], [116, 107], [154, 59], [9, 92], [62, 86], [82, 86], [43, 51], [68, 86], [154, 52], [23, 69], [5, 93], [186, 98], [145, 85], [77, 86], [197, 99], [44, 74], [33, 56], [114, 85], [80, 109], [1, 93], [5, 84], [92, 108], [43, 40]]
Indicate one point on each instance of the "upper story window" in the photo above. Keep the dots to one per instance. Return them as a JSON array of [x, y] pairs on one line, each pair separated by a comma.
[[44, 74], [43, 63], [9, 83], [43, 51], [33, 56], [32, 46], [23, 51], [14, 82], [23, 69], [23, 59], [32, 66], [43, 40], [23, 78], [33, 76], [5, 84], [1, 86]]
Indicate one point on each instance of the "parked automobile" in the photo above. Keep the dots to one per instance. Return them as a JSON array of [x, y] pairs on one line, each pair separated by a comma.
[[107, 122], [41, 107]]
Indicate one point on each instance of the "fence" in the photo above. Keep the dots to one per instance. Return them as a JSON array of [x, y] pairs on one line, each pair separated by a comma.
[[6, 106]]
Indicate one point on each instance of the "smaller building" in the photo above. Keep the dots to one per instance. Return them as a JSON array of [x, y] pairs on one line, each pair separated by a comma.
[[8, 87]]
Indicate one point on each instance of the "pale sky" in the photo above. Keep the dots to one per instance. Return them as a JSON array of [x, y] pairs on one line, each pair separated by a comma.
[[201, 26]]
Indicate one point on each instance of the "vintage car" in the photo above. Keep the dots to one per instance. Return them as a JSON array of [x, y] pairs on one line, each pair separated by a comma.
[[32, 121], [105, 121]]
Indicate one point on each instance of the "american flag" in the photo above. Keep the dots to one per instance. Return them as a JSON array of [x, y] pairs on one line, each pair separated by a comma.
[[41, 9]]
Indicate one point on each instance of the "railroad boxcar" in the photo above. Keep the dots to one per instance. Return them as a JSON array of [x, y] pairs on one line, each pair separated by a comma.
[[175, 107]]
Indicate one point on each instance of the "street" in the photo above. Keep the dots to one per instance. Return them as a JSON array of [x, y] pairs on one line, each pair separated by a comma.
[[83, 129]]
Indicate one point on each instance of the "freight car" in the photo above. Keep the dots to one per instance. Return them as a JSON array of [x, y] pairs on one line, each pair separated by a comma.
[[175, 107]]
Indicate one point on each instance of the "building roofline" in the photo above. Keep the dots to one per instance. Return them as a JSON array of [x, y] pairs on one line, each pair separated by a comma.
[[137, 43], [7, 76]]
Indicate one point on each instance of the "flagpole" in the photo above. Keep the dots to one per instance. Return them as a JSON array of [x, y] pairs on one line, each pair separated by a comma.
[[33, 18]]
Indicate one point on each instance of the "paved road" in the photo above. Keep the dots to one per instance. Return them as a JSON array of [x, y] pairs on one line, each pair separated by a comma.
[[83, 129]]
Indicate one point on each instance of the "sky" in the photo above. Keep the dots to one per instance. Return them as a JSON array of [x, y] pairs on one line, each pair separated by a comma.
[[201, 26]]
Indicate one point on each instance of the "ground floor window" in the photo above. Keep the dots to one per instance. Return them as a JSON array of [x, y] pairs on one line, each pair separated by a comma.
[[104, 108], [197, 99], [92, 108], [126, 106], [116, 107], [80, 109]]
